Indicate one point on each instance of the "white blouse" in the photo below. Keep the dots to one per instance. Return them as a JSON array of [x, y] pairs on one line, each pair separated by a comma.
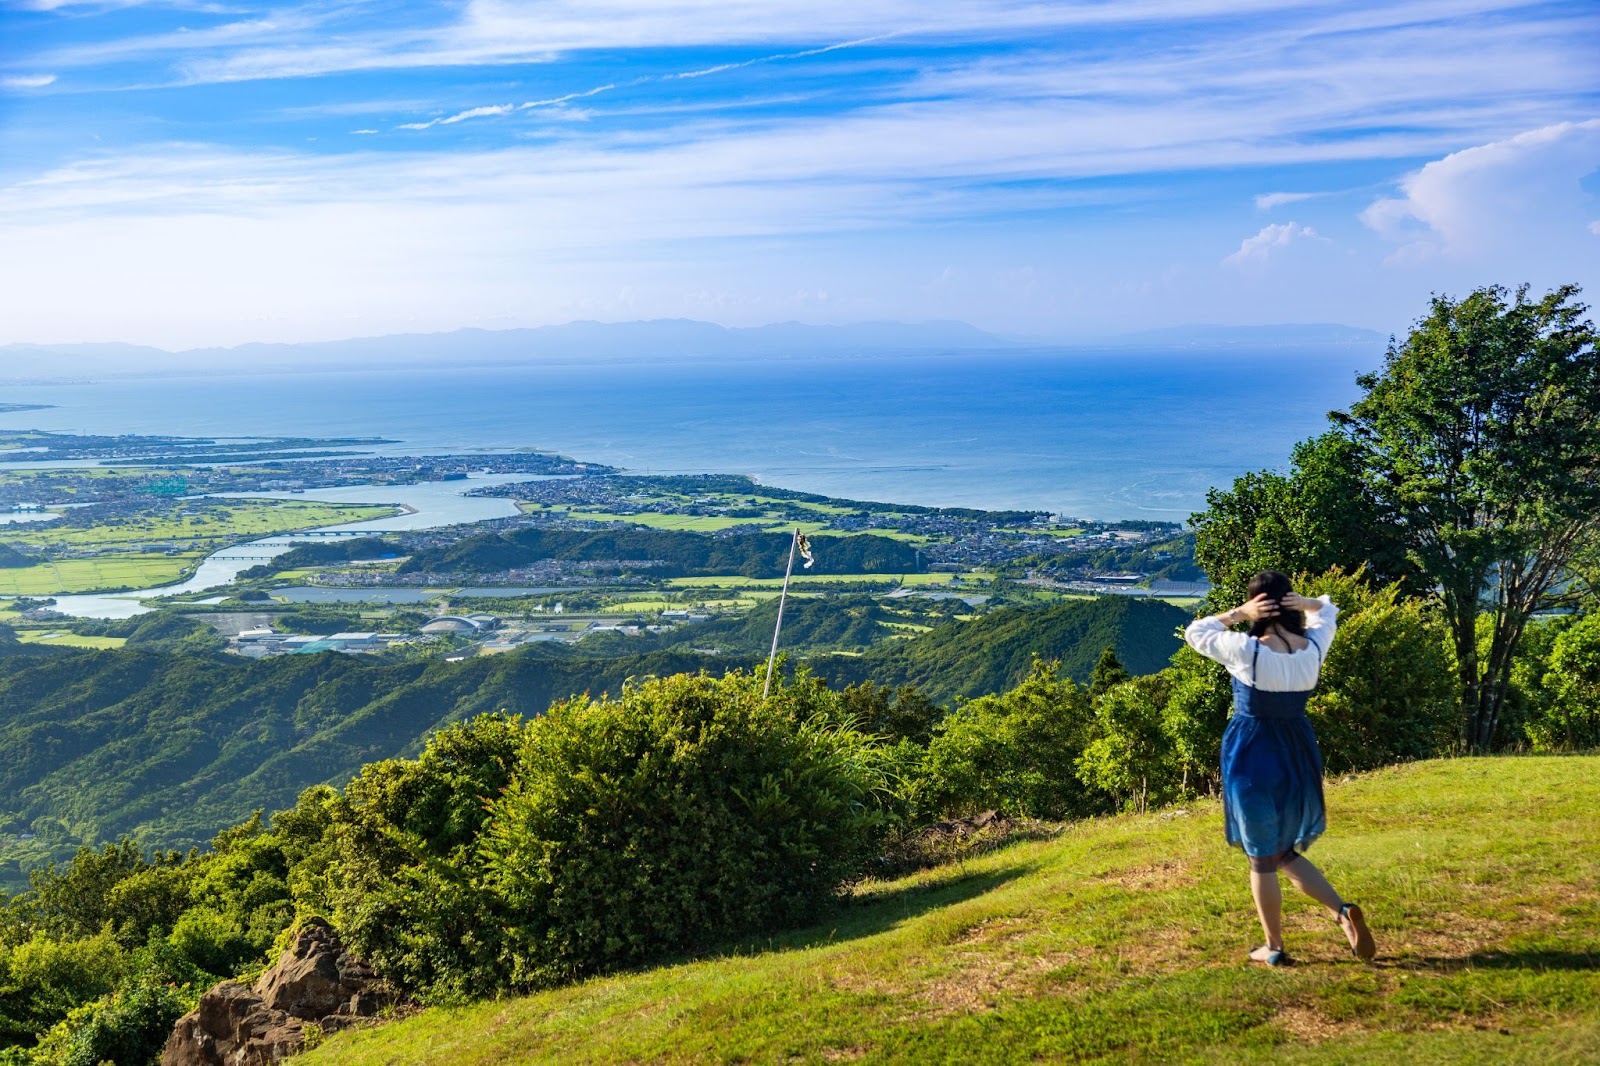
[[1275, 671]]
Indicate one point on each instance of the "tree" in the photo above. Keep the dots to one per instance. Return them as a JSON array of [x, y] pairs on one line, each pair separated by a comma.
[[1479, 442], [1573, 718], [1130, 754], [1014, 752], [1317, 517], [1108, 671]]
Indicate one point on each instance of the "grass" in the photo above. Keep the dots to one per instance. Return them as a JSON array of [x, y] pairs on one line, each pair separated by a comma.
[[118, 570], [199, 528], [60, 639], [1122, 940]]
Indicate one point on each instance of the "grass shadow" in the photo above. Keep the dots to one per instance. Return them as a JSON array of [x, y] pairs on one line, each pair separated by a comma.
[[1537, 959], [882, 911]]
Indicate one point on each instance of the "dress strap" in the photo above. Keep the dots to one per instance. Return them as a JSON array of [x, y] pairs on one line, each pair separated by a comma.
[[1316, 645], [1254, 659]]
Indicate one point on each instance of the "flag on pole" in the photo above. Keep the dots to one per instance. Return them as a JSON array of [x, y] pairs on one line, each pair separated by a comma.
[[805, 549]]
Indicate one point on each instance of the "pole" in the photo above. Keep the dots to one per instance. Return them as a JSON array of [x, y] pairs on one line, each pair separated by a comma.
[[782, 596]]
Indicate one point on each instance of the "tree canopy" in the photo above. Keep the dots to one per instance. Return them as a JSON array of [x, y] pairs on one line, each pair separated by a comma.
[[1469, 470]]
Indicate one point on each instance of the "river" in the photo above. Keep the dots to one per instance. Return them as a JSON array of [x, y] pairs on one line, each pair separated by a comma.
[[428, 505]]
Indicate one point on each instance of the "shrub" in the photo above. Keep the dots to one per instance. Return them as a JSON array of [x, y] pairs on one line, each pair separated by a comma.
[[403, 882], [1130, 754], [686, 812], [1388, 690], [1015, 753], [1571, 719]]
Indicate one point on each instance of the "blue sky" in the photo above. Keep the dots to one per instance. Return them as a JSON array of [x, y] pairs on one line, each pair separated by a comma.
[[193, 173]]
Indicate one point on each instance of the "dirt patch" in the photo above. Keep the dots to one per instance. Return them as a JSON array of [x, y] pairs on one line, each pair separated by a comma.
[[1151, 877], [992, 929], [1312, 1026]]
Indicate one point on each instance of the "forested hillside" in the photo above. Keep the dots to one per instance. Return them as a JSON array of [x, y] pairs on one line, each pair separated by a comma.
[[175, 745], [675, 553], [994, 652]]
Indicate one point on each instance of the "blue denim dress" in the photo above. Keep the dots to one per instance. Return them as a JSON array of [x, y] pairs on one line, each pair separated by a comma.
[[1271, 771]]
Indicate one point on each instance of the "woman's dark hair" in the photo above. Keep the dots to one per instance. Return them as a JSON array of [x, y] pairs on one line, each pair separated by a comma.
[[1276, 586]]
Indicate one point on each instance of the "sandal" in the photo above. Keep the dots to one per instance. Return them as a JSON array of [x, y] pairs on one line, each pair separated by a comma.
[[1274, 957], [1360, 937]]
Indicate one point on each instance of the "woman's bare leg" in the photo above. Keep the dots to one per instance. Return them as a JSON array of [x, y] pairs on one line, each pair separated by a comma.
[[1269, 905], [1308, 879]]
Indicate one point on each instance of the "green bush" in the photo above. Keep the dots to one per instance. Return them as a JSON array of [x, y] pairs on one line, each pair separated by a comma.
[[1388, 686], [686, 812], [1130, 753], [129, 1025], [41, 980], [1571, 718], [1015, 753], [403, 881]]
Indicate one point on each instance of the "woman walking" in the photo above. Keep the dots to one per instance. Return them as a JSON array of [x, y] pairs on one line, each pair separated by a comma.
[[1271, 765]]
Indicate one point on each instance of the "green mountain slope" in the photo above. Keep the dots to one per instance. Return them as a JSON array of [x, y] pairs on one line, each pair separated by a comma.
[[994, 652], [175, 746], [673, 553], [1122, 940]]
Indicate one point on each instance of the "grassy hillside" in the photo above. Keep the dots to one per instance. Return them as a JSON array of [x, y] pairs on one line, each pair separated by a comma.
[[1123, 940]]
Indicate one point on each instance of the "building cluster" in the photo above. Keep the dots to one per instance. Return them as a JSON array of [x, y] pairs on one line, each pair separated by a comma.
[[263, 641], [485, 633]]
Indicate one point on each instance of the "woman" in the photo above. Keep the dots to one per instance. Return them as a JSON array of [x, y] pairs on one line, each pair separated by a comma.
[[1271, 766]]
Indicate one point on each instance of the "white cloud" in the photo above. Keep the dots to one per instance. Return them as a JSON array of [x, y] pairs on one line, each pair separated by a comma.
[[27, 81], [1494, 201], [1268, 201], [1272, 240], [1594, 227]]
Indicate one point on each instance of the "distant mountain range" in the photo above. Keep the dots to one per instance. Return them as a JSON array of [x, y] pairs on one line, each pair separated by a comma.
[[1285, 335], [589, 342]]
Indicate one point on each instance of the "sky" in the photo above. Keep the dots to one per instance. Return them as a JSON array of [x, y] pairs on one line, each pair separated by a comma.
[[195, 173]]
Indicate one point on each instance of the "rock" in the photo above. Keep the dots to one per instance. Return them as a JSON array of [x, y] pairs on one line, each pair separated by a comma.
[[315, 982]]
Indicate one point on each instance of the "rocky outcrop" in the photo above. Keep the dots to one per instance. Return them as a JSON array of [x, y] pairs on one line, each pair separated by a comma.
[[316, 983]]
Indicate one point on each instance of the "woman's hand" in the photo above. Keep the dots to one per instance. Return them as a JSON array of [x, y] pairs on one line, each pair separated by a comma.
[[1262, 606], [1296, 602]]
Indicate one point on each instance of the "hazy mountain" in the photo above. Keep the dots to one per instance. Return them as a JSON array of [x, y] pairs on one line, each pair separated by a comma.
[[574, 341], [1282, 335]]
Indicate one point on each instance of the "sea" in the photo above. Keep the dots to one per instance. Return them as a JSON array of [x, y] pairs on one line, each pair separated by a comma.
[[1102, 434]]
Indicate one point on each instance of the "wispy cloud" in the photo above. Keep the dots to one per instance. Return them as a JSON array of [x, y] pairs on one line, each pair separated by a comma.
[[27, 81], [1268, 201], [491, 110]]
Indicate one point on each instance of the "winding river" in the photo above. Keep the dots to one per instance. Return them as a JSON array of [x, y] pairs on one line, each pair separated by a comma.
[[428, 505]]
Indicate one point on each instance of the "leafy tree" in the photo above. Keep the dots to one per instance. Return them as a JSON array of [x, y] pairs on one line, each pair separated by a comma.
[[1318, 516], [1014, 752], [1572, 718], [1479, 440], [904, 713], [1130, 754], [1386, 692], [1107, 673], [1199, 703]]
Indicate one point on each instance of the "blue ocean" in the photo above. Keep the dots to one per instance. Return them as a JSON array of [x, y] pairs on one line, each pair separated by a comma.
[[1095, 434]]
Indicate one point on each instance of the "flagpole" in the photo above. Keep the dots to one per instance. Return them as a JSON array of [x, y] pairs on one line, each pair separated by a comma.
[[782, 596]]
